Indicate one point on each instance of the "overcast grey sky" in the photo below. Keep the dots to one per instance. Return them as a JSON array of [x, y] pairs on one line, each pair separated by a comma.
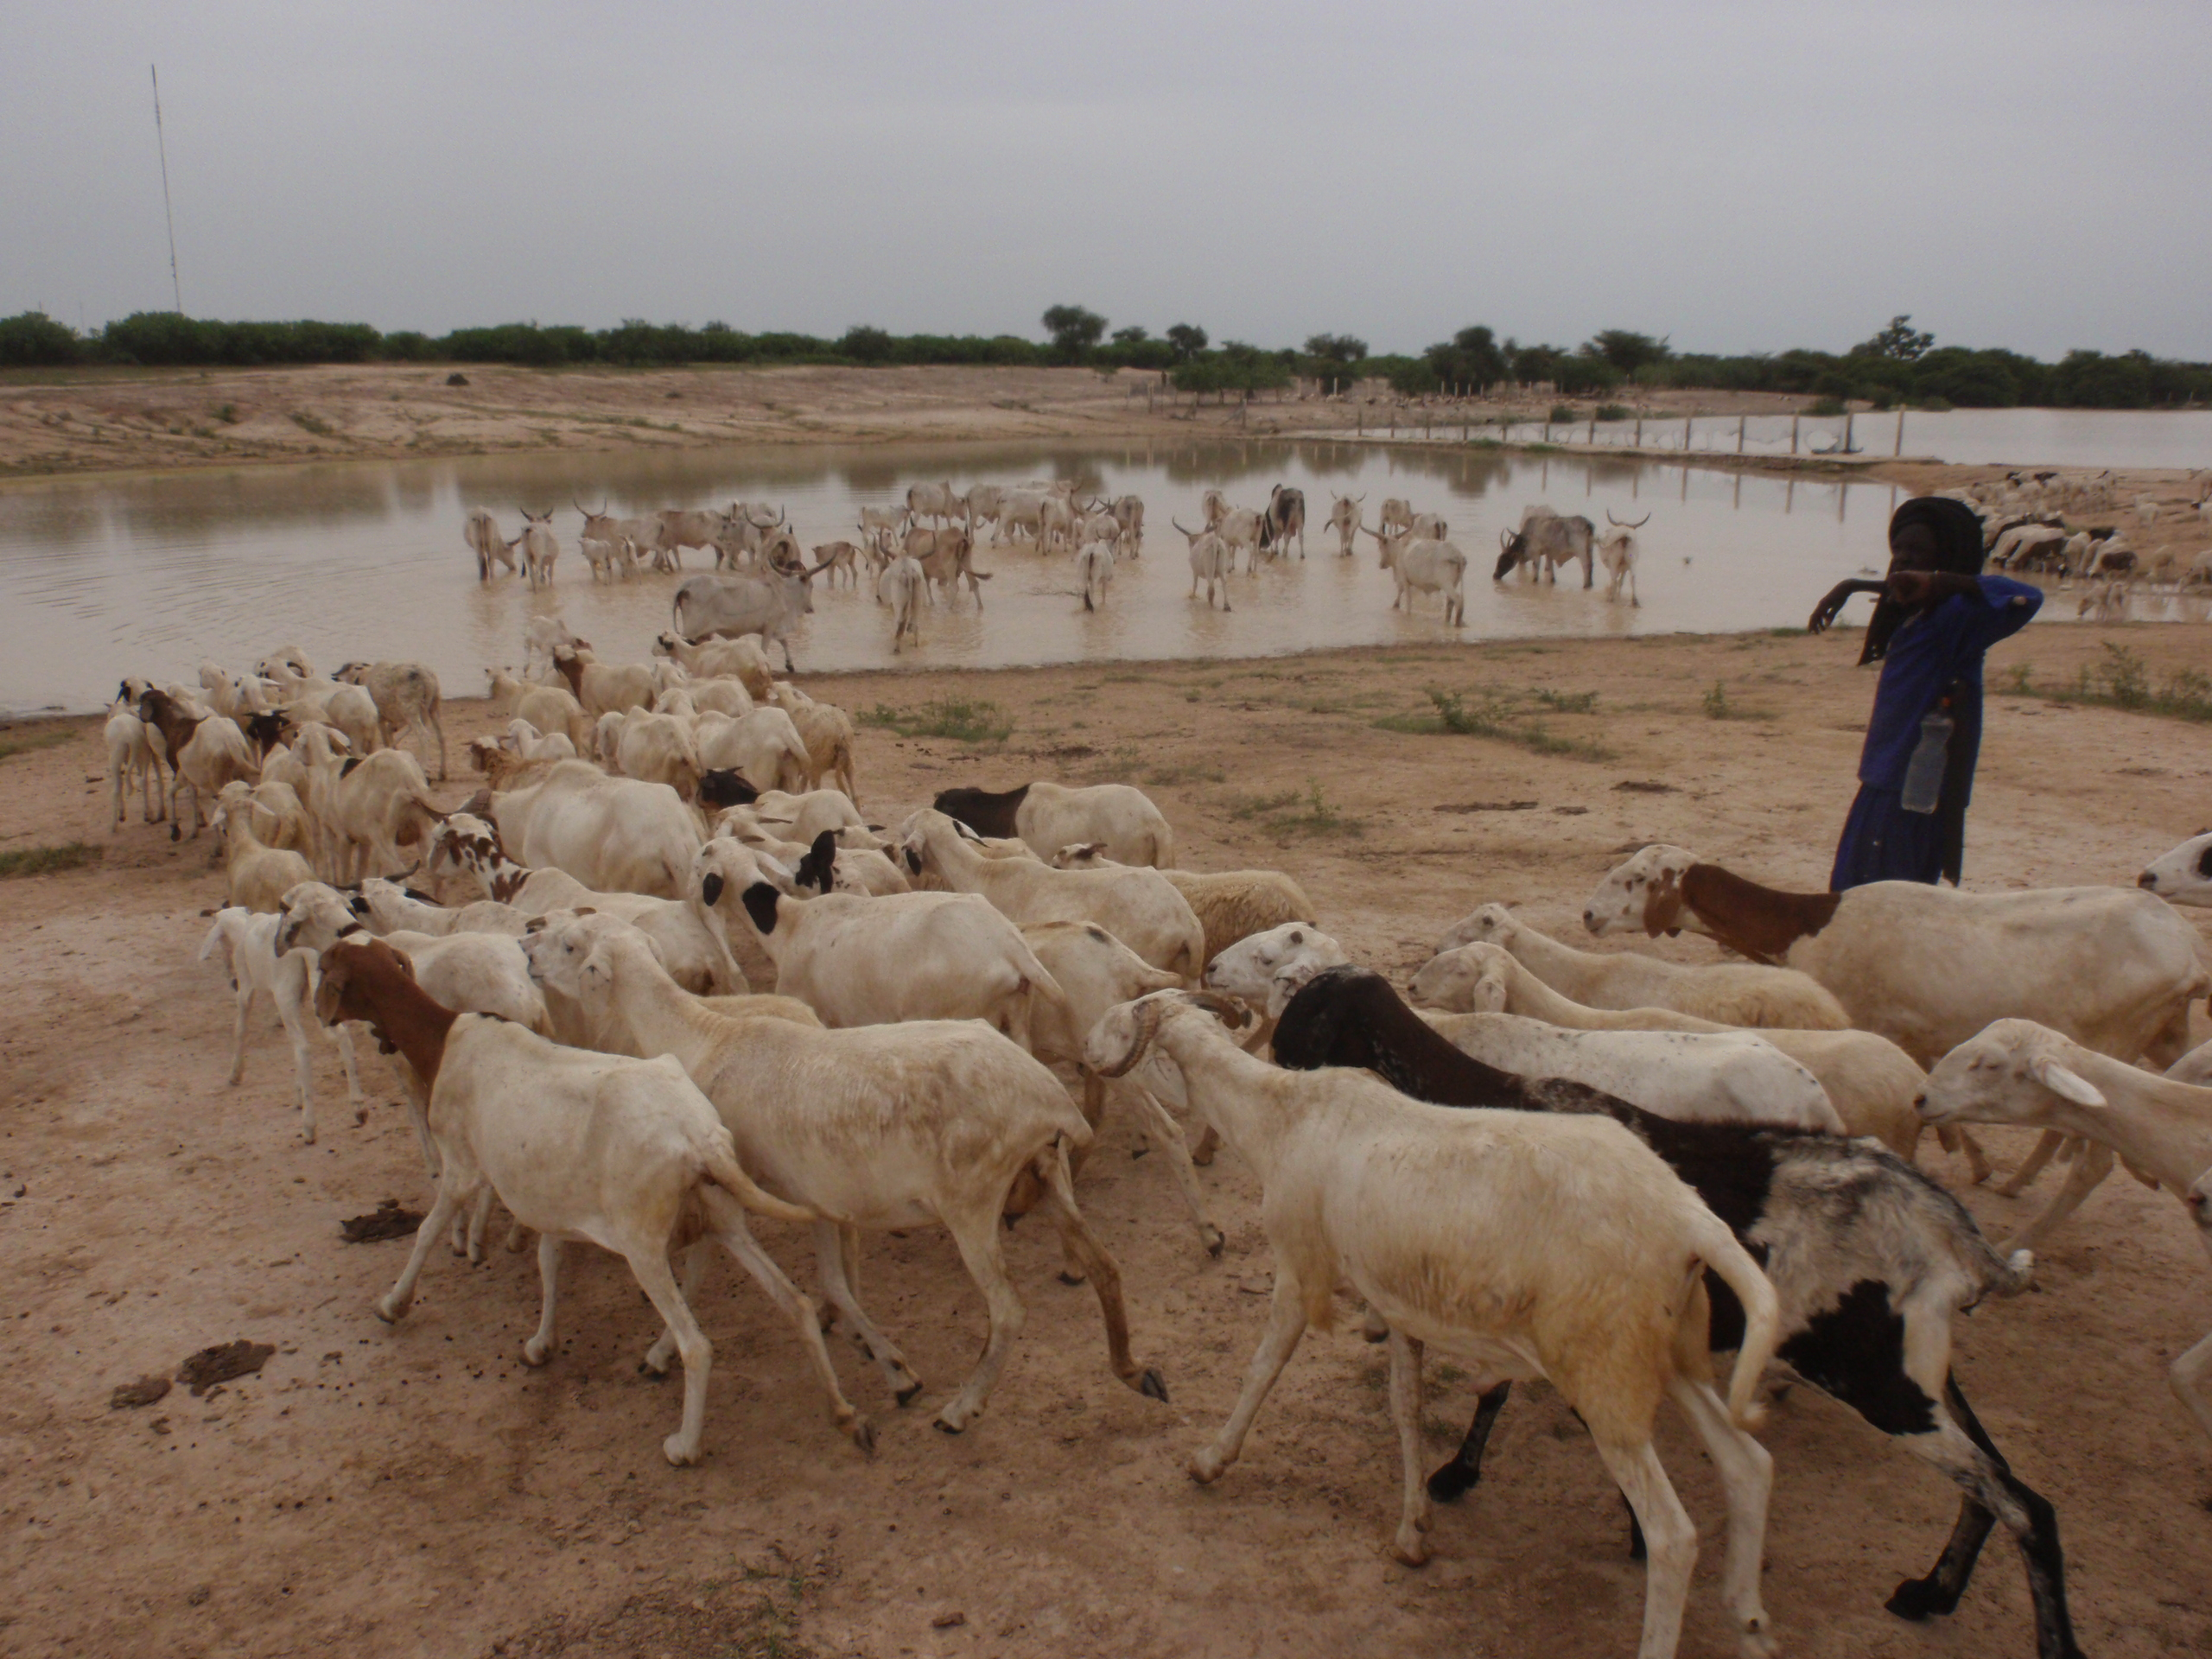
[[1737, 176]]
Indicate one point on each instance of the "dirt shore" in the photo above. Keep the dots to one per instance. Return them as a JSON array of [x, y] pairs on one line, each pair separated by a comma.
[[416, 1490]]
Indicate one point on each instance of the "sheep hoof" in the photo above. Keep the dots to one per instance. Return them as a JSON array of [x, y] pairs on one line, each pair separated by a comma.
[[175, 834], [1919, 1598], [1452, 1482], [906, 1396], [1205, 1467], [390, 1311], [679, 1451], [1067, 1278], [1215, 1239], [863, 1434], [1413, 1554], [535, 1353], [1152, 1386], [946, 1427]]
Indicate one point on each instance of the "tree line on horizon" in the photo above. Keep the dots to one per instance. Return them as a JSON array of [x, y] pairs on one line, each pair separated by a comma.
[[1897, 364]]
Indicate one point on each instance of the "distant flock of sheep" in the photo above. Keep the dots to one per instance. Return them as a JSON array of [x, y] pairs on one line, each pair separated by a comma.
[[1596, 1168], [762, 581], [2031, 522]]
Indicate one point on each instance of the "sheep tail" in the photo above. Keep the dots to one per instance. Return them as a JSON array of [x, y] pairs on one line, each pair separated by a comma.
[[1761, 1313], [722, 1169]]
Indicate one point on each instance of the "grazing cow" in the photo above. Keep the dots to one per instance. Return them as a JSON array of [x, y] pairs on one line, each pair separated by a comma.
[[1020, 511], [881, 526], [539, 547], [840, 556], [1055, 524], [1285, 517], [1617, 550], [1241, 527], [1212, 562], [677, 529], [1344, 517], [1395, 515], [481, 531], [1547, 540], [769, 602], [601, 526]]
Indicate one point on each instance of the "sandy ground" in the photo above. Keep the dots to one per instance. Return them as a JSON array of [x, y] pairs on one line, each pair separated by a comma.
[[417, 1491]]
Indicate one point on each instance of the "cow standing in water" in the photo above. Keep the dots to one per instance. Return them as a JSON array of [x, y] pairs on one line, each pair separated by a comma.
[[1286, 517]]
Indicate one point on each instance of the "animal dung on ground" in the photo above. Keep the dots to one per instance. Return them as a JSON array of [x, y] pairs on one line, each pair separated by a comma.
[[221, 1362], [388, 1220], [1491, 806], [144, 1392], [1639, 786]]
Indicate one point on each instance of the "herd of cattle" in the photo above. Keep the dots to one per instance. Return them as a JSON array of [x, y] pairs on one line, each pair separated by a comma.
[[763, 580], [1596, 1168]]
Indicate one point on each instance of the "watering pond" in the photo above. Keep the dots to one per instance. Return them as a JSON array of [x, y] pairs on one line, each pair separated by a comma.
[[154, 573]]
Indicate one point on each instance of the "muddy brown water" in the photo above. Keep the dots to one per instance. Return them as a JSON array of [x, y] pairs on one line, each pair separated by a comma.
[[154, 573]]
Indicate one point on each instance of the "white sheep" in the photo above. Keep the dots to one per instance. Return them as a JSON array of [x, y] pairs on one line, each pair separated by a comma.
[[2182, 876], [611, 834], [1524, 1245], [1870, 1080], [258, 968], [765, 747], [867, 961], [131, 761], [547, 708], [1121, 820], [364, 811], [742, 660], [1141, 907], [624, 1154], [827, 733], [205, 752], [2018, 1072], [890, 1126], [406, 698], [1230, 904], [257, 876], [1732, 993]]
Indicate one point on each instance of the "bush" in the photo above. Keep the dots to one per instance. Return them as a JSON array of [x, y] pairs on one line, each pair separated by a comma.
[[1826, 405], [1613, 412], [963, 718], [33, 340], [1562, 415]]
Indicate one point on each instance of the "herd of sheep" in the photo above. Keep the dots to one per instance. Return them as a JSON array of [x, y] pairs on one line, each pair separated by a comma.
[[661, 973]]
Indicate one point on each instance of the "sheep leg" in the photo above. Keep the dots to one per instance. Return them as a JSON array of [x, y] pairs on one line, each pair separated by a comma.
[[1962, 1449], [1105, 1275], [453, 1187], [837, 1274], [2047, 1145], [2190, 1376], [728, 1216], [237, 1030], [1413, 1516], [1954, 1138], [539, 1348], [2091, 1167], [1670, 1539], [1209, 1140], [1747, 1472], [975, 1236], [1285, 1324], [649, 1262], [1453, 1481], [1154, 1117], [341, 1036], [694, 1275], [291, 990]]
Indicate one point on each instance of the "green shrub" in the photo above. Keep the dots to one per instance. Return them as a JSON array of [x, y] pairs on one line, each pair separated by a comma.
[[1613, 412], [1562, 415], [1826, 405], [45, 860], [963, 719]]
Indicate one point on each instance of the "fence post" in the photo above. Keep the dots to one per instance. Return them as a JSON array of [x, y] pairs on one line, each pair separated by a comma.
[[1794, 419], [1899, 450], [1548, 429], [1740, 419], [1591, 437], [1639, 432], [1687, 419], [1846, 432]]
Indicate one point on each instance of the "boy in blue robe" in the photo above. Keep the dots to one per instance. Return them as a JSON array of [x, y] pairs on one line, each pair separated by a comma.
[[1936, 616]]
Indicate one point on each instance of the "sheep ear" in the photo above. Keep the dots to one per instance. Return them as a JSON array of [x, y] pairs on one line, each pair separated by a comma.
[[2068, 1085]]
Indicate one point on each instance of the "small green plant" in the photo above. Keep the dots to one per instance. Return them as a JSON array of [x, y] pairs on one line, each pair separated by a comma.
[[1826, 406], [2123, 681], [1295, 812], [45, 860], [1716, 703], [1562, 415], [1612, 412], [963, 718], [1495, 718], [228, 414]]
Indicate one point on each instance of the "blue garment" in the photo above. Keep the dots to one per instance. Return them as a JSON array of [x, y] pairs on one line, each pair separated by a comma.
[[1933, 658]]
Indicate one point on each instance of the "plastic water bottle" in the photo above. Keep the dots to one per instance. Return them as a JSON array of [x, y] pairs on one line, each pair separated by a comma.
[[1923, 773]]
